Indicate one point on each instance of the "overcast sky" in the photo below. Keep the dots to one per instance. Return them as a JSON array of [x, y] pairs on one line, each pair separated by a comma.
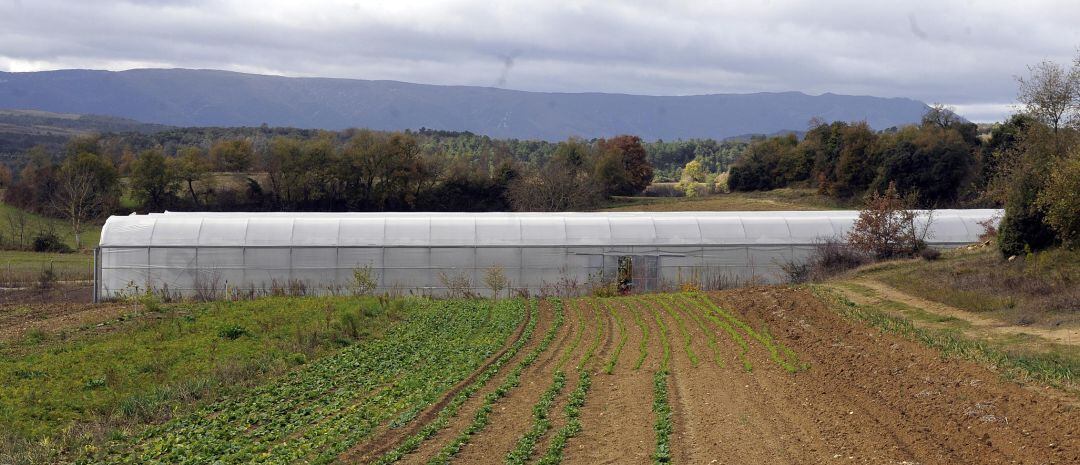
[[963, 53]]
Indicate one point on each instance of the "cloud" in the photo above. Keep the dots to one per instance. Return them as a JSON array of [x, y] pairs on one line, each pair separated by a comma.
[[955, 51]]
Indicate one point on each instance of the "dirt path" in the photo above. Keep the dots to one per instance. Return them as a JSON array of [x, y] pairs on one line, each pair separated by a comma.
[[617, 418], [1067, 335]]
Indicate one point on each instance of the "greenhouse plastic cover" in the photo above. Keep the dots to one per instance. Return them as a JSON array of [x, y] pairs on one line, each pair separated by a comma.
[[947, 227]]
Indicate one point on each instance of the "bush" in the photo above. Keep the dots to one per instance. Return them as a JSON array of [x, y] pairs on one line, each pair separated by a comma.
[[1024, 228], [48, 241], [829, 258], [930, 254], [1060, 199], [47, 277], [232, 332], [365, 280], [887, 228]]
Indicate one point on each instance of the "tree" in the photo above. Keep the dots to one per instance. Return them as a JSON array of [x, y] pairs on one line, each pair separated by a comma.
[[232, 155], [625, 152], [941, 116], [1060, 199], [5, 176], [1051, 94], [559, 186], [694, 171], [153, 180], [191, 166], [77, 199], [887, 227]]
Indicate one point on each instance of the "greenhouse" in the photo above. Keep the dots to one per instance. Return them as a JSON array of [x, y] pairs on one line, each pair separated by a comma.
[[213, 255]]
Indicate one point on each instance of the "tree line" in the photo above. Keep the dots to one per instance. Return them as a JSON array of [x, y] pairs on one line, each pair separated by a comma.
[[356, 170], [938, 161]]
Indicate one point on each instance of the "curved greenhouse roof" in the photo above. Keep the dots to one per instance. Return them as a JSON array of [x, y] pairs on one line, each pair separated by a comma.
[[507, 229]]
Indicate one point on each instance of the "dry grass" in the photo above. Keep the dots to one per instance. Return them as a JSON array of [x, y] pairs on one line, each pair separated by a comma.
[[1040, 289], [774, 200]]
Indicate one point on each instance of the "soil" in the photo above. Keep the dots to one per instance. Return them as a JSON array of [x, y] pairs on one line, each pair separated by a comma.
[[864, 396], [53, 310]]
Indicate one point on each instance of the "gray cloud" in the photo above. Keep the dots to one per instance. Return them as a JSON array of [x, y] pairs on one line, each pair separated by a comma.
[[957, 52]]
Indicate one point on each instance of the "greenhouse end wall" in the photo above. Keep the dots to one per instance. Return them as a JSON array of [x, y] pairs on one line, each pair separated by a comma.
[[209, 255]]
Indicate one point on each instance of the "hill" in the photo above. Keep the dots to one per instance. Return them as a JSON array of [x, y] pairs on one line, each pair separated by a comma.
[[184, 97], [22, 129]]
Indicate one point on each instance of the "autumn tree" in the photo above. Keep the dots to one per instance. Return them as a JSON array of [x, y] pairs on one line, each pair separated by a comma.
[[887, 227], [623, 165]]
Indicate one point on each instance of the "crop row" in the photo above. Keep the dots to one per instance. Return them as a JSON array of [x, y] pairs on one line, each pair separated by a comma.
[[610, 367], [483, 414], [451, 409], [779, 353], [317, 412]]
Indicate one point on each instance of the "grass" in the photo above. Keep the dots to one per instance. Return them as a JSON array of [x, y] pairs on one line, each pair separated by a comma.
[[643, 347], [1059, 367], [774, 200], [19, 268], [710, 336], [55, 386], [36, 223], [1041, 288], [665, 303]]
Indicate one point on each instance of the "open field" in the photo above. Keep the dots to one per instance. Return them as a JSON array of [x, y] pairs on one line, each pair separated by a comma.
[[10, 217], [753, 375], [774, 200]]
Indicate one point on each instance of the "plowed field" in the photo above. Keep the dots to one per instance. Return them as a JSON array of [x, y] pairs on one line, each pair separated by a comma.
[[750, 376]]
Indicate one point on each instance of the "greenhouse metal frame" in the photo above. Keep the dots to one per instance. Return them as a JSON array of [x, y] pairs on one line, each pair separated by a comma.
[[214, 255]]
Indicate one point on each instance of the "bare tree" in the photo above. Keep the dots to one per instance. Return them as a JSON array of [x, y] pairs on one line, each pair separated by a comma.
[[77, 199], [1051, 94]]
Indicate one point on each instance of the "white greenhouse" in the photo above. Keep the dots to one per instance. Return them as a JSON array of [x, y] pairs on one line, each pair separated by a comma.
[[215, 254]]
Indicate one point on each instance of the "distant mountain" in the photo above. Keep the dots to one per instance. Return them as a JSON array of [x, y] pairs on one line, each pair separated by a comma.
[[183, 97]]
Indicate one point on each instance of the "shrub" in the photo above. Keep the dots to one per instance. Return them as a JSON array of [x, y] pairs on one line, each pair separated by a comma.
[[930, 254], [887, 228], [458, 285], [232, 332], [1060, 199], [47, 277], [365, 280], [495, 279], [48, 241], [830, 257]]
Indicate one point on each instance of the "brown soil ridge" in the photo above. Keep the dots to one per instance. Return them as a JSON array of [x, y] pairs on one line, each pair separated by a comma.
[[388, 438], [617, 418], [1066, 335]]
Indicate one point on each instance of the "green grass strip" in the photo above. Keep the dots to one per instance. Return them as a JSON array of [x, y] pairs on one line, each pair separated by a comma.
[[555, 450], [665, 303], [663, 425], [710, 335], [525, 446], [776, 353], [1055, 369], [451, 409], [483, 414], [643, 347], [610, 367]]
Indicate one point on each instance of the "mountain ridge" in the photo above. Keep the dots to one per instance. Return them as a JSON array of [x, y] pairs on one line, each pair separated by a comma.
[[188, 97]]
